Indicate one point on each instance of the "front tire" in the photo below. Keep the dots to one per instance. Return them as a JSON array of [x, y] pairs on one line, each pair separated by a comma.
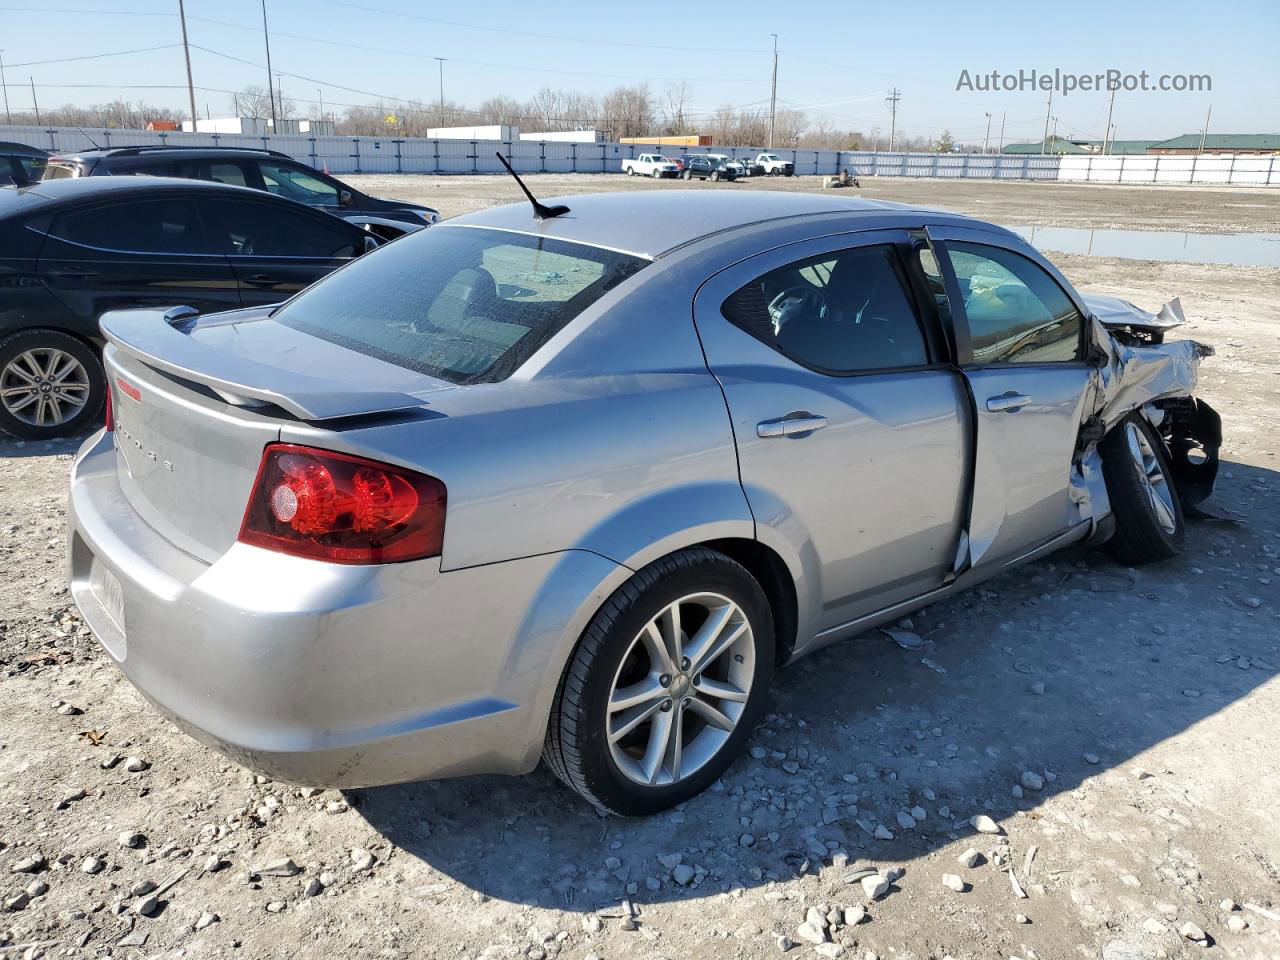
[[1144, 501], [665, 685], [51, 384], [715, 176]]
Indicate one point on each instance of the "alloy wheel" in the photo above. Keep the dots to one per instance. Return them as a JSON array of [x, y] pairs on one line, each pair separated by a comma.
[[44, 387], [681, 689], [1154, 482]]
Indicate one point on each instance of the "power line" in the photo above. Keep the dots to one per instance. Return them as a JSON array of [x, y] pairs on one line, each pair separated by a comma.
[[95, 56]]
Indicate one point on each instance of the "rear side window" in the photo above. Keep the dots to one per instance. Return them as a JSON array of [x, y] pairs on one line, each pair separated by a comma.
[[163, 225], [839, 313], [465, 305], [248, 229], [1017, 313]]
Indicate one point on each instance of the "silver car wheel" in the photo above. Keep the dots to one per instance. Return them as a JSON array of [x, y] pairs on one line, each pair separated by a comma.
[[680, 690], [44, 387], [1154, 482]]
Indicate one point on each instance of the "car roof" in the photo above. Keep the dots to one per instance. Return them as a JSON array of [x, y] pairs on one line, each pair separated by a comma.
[[73, 189], [168, 150], [652, 222], [11, 148]]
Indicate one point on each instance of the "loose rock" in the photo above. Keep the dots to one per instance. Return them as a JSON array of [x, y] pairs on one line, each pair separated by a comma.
[[279, 867], [206, 919], [875, 886], [362, 860], [1193, 933], [91, 865], [1032, 781], [953, 882], [969, 859], [984, 824]]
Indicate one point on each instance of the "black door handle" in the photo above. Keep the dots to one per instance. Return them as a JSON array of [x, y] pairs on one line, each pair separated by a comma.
[[262, 278], [73, 274]]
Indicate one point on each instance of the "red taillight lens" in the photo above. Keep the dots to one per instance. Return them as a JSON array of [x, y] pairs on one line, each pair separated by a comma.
[[344, 509], [110, 417]]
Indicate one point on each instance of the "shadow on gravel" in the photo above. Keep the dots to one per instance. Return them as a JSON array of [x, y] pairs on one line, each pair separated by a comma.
[[1127, 659], [12, 448]]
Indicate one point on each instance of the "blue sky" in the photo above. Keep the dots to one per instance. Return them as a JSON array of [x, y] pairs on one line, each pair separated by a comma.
[[837, 59]]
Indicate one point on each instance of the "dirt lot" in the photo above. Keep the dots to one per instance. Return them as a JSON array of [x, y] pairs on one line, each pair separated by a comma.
[[1181, 209], [1134, 711]]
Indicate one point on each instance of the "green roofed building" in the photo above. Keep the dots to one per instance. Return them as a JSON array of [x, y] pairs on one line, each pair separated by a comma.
[[1057, 146], [1237, 143]]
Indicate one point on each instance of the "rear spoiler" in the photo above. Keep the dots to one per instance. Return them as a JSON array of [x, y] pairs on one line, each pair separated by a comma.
[[160, 339]]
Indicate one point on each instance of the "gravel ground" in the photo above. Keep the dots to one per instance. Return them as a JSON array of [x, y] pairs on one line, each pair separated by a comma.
[[1116, 727]]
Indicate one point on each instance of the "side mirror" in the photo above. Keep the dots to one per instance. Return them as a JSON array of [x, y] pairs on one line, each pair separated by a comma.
[[344, 198]]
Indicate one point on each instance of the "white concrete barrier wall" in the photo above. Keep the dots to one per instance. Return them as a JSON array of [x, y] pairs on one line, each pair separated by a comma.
[[411, 155]]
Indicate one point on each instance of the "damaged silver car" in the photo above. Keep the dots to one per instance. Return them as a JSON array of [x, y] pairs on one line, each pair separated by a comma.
[[571, 483]]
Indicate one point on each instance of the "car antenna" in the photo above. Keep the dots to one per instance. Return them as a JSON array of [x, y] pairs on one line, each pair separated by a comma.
[[89, 138], [540, 210]]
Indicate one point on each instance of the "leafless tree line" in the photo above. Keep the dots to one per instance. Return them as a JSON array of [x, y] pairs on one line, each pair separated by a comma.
[[625, 111]]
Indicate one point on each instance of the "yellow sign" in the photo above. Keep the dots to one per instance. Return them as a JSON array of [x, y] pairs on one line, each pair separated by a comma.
[[391, 119]]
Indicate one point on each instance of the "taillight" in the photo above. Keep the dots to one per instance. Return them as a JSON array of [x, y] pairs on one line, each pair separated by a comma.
[[110, 419], [344, 509]]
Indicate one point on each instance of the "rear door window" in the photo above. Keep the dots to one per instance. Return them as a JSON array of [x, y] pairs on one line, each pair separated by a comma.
[[463, 304], [840, 313], [249, 229], [166, 225], [218, 171]]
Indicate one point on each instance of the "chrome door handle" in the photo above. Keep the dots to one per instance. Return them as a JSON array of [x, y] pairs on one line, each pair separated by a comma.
[[790, 425], [1007, 402]]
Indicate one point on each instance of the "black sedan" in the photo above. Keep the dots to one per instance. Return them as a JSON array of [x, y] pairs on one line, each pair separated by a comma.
[[70, 250]]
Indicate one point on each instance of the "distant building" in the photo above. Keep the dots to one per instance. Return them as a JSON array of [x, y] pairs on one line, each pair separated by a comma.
[[493, 131], [1123, 148], [1233, 143], [566, 136], [1056, 146], [693, 140], [162, 125], [258, 127]]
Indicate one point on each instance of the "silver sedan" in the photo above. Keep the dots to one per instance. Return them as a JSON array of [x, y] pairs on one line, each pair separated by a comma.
[[572, 487]]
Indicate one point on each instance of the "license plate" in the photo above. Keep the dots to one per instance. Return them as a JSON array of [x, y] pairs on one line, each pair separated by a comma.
[[106, 589]]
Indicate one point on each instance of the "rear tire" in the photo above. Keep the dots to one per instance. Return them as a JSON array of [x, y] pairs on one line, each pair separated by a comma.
[[51, 384], [629, 694], [1144, 501]]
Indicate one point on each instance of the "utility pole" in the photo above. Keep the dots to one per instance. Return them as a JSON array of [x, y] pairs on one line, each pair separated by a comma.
[[987, 138], [7, 118], [441, 61], [320, 94], [1205, 132], [186, 52], [34, 102], [773, 94], [1044, 144], [892, 100], [1107, 142], [266, 39], [1054, 139], [1003, 114], [280, 96]]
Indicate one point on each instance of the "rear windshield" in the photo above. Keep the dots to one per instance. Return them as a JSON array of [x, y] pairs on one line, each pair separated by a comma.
[[464, 305]]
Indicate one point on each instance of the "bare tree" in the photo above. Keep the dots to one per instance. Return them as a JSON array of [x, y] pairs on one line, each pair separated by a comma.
[[675, 99], [252, 102]]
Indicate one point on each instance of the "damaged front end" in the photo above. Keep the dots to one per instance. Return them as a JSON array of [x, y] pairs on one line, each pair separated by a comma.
[[1136, 370]]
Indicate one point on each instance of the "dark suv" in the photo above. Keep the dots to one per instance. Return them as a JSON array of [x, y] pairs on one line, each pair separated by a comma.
[[20, 164], [267, 170], [70, 250], [698, 167]]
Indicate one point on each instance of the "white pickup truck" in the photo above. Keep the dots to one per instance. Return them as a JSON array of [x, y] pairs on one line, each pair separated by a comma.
[[650, 165], [775, 166]]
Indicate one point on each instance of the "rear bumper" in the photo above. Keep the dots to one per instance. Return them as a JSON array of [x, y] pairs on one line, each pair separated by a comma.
[[323, 674]]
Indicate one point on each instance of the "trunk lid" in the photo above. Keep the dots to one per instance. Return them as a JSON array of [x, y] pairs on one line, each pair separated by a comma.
[[195, 402]]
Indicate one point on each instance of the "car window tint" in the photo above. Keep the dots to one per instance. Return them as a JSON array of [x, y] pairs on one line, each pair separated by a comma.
[[158, 169], [839, 313], [1017, 312], [245, 228], [294, 182], [219, 171], [161, 225], [465, 305]]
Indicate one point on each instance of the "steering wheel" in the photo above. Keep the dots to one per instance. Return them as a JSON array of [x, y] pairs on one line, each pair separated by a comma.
[[796, 300]]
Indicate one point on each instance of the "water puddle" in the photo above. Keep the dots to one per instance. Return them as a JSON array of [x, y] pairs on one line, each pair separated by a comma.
[[1247, 249]]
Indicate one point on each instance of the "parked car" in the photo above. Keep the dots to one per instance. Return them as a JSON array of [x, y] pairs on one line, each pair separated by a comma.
[[737, 167], [702, 167], [20, 164], [573, 488], [72, 249], [775, 166], [679, 163], [267, 170], [649, 165]]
